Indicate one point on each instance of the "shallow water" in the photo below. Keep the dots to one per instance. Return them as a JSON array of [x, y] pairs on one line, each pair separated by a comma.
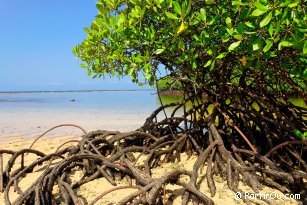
[[28, 114]]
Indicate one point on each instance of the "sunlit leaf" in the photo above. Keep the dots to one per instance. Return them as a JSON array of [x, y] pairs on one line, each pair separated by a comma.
[[159, 51], [170, 15], [222, 55], [270, 30], [305, 74], [266, 20], [305, 47], [269, 44], [238, 37], [181, 28], [261, 7], [228, 22], [234, 45], [284, 44], [293, 4], [256, 46], [209, 2], [258, 12], [298, 134], [208, 63], [249, 24], [177, 7]]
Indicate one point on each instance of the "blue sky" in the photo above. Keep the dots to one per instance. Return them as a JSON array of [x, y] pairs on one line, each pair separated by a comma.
[[36, 40]]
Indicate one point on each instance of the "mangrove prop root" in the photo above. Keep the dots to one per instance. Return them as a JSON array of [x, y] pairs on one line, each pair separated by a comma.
[[110, 155], [55, 127], [109, 191]]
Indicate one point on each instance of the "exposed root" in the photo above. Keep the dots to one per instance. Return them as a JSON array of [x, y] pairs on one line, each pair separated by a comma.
[[109, 155]]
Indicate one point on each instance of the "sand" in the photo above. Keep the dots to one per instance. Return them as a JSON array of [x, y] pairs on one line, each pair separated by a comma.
[[89, 191]]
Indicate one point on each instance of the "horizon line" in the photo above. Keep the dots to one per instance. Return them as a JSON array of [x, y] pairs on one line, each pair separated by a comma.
[[72, 91]]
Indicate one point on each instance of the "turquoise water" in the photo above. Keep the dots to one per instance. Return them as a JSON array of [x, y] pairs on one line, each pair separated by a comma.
[[32, 113]]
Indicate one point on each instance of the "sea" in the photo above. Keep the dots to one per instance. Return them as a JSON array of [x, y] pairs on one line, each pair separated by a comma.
[[29, 114]]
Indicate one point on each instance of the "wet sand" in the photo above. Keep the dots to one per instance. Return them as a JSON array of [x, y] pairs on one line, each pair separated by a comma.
[[31, 124], [30, 114]]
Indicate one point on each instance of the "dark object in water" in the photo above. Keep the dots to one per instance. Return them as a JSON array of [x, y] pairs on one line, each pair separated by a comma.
[[72, 100]]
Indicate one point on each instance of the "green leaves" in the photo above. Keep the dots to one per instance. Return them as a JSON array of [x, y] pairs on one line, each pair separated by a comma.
[[209, 2], [258, 12], [305, 74], [222, 55], [203, 14], [261, 7], [266, 20], [256, 46], [127, 35], [305, 47], [170, 15], [228, 22], [176, 7], [269, 44], [300, 135], [208, 63], [270, 30], [238, 37], [249, 24], [83, 65], [159, 51], [284, 44], [293, 4], [277, 29], [234, 45]]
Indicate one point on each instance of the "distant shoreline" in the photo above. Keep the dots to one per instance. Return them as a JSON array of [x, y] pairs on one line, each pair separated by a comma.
[[72, 91]]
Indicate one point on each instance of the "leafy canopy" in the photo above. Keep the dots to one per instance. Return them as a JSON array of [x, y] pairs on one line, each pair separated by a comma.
[[191, 38]]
